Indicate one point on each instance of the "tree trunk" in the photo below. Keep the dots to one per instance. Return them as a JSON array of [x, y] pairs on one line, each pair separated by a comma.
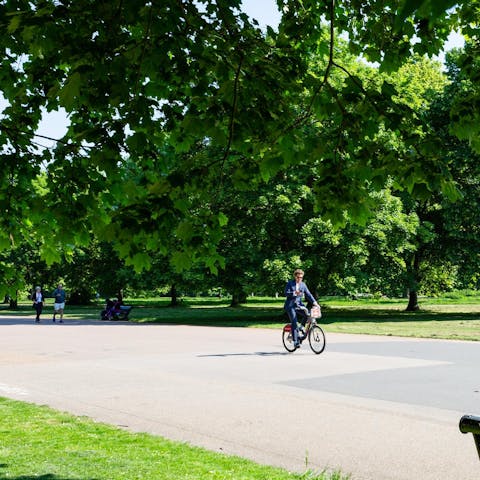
[[412, 301], [414, 281], [174, 295], [12, 302], [238, 297]]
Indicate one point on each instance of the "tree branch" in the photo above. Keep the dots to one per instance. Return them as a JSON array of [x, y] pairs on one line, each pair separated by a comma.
[[233, 111]]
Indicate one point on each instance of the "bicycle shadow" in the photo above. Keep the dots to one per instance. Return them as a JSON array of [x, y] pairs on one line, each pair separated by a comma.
[[245, 354]]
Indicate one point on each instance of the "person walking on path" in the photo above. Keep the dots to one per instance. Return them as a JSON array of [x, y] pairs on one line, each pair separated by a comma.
[[38, 302], [59, 306], [294, 291]]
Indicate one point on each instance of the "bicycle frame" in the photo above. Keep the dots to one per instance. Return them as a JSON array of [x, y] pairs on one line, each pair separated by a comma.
[[308, 324], [311, 321]]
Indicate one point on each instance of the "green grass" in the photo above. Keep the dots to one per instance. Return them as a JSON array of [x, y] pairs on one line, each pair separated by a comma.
[[451, 322], [41, 443], [456, 316]]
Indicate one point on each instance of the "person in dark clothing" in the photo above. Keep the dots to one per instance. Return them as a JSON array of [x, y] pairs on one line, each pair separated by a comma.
[[38, 302], [59, 306]]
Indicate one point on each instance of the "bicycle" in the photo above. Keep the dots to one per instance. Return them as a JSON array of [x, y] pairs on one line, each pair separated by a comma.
[[312, 331]]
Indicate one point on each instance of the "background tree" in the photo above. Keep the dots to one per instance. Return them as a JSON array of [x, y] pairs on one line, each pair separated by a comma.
[[456, 223], [435, 263], [418, 83]]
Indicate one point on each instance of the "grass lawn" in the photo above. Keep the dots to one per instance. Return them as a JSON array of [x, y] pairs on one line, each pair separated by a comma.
[[429, 323], [455, 318], [42, 444]]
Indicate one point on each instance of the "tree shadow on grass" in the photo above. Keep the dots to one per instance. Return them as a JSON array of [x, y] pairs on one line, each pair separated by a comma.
[[330, 316], [383, 316], [277, 318], [46, 476]]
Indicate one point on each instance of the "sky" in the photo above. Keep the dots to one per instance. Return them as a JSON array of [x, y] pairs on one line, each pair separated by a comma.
[[264, 11]]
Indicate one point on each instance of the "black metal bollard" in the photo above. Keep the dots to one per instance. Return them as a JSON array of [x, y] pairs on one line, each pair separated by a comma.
[[471, 424]]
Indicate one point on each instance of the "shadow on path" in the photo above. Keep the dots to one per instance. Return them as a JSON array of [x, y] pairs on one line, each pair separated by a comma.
[[67, 322], [259, 354]]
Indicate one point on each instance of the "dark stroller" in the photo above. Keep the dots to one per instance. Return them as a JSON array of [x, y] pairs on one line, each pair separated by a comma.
[[114, 310]]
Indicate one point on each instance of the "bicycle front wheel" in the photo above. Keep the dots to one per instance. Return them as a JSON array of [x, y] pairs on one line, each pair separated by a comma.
[[287, 339], [316, 339]]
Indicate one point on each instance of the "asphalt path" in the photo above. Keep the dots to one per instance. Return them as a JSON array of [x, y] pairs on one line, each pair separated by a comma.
[[378, 408]]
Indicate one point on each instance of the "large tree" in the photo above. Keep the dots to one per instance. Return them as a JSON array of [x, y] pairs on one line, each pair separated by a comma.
[[453, 256], [150, 84]]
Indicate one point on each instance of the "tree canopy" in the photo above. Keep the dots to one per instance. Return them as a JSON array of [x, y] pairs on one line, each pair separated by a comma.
[[171, 102]]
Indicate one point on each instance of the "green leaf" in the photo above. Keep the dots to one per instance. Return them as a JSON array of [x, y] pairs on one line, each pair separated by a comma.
[[49, 252], [388, 89], [185, 231], [270, 165], [222, 219], [5, 242], [181, 261], [140, 262], [137, 142], [14, 23], [409, 6], [70, 92]]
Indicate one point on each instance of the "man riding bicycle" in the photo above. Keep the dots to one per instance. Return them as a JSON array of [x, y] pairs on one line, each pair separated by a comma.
[[294, 291]]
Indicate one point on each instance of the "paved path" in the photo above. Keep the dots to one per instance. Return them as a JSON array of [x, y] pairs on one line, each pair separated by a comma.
[[381, 408]]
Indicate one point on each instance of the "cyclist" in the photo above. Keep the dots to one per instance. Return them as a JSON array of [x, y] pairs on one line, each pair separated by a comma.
[[294, 291]]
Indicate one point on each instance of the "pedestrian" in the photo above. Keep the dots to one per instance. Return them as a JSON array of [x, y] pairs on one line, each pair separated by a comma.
[[295, 290], [38, 302], [59, 306]]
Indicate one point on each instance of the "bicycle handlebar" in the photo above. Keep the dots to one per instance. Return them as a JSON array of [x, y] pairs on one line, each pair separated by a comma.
[[471, 424]]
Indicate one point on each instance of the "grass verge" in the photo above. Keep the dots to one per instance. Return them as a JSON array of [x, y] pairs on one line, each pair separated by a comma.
[[41, 443]]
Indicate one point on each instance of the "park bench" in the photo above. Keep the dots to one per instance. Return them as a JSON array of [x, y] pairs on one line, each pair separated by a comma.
[[471, 424]]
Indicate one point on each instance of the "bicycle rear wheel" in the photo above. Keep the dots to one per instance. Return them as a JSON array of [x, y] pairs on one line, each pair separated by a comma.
[[316, 339], [287, 339]]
